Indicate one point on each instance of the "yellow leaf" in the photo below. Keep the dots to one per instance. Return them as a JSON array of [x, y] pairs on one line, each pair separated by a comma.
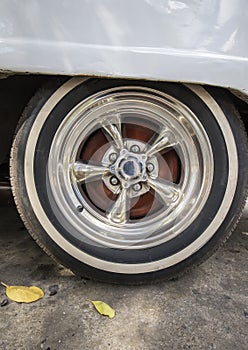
[[22, 294], [103, 308]]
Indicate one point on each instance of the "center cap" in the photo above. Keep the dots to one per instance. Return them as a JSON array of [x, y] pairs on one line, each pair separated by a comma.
[[131, 168]]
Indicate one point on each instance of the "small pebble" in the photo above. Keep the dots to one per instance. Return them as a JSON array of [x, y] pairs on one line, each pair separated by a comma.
[[4, 302], [53, 290], [195, 291]]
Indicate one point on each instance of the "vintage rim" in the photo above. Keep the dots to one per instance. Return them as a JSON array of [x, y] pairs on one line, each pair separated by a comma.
[[116, 151]]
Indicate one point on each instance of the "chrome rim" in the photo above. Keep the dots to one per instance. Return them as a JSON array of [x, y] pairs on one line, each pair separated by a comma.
[[129, 168]]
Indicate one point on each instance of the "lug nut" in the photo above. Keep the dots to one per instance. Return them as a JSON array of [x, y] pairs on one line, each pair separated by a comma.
[[135, 149], [114, 181], [113, 157], [150, 167], [137, 187]]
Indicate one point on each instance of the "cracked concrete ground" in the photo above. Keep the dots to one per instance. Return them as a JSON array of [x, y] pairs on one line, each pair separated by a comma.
[[205, 309]]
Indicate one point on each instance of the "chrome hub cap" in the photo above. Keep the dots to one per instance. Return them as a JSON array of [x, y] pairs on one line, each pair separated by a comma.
[[130, 169]]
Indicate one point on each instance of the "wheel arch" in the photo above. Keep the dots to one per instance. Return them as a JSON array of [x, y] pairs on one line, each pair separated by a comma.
[[15, 93], [12, 104]]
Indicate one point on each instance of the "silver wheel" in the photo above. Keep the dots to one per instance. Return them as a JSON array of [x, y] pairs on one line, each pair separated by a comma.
[[130, 168], [129, 181]]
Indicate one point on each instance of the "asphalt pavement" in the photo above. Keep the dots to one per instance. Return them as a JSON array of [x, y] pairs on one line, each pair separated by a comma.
[[205, 309]]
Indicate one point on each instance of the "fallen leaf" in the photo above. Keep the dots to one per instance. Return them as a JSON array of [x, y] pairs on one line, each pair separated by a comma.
[[103, 308], [22, 294], [245, 233]]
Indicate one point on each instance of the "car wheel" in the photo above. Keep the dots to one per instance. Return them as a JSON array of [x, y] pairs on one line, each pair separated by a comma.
[[129, 181]]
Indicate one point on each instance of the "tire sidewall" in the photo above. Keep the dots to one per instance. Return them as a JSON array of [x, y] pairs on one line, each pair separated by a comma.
[[189, 99]]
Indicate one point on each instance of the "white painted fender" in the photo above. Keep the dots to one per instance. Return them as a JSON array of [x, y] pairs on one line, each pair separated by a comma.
[[203, 41]]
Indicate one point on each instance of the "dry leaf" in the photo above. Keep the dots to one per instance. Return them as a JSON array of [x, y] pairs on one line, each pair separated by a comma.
[[22, 294], [103, 308]]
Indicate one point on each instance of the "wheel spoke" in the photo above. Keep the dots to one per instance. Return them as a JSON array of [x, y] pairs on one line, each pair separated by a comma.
[[119, 211], [164, 140], [113, 128], [167, 190], [83, 172]]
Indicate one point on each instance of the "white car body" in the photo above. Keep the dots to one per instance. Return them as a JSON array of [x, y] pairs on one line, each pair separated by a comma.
[[188, 41], [137, 177]]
